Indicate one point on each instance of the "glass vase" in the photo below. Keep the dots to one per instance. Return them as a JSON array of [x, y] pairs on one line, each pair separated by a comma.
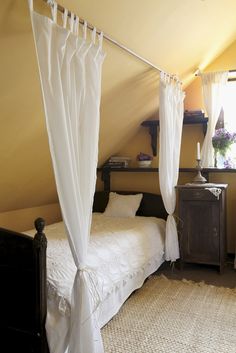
[[220, 158]]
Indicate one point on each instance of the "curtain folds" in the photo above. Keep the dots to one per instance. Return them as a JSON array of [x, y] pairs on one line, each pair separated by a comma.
[[70, 72], [171, 122], [213, 84]]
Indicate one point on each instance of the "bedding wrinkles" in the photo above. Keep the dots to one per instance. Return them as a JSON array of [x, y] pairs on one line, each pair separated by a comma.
[[119, 248]]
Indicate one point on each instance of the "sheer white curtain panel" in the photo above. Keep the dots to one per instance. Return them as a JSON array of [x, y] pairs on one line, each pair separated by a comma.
[[213, 84], [171, 121], [70, 71]]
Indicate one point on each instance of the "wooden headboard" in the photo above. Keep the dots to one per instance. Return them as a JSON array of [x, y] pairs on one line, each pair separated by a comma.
[[150, 206]]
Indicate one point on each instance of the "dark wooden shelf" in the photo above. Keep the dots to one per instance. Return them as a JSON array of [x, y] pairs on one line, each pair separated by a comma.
[[106, 172], [127, 169], [153, 125], [152, 170]]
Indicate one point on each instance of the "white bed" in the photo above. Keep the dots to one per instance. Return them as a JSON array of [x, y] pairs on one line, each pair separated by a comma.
[[122, 253]]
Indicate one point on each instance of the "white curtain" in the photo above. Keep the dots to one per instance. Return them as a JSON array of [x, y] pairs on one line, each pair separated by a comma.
[[213, 84], [70, 72], [171, 122]]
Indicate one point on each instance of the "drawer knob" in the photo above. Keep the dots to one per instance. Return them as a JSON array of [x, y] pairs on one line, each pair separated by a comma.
[[197, 194], [215, 233]]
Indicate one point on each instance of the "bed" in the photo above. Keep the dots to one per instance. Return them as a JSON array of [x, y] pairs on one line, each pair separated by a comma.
[[29, 297]]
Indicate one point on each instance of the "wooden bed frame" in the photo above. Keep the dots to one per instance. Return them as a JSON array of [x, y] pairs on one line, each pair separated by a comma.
[[23, 293]]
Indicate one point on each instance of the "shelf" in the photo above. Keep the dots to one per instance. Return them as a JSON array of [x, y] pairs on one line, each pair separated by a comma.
[[153, 170], [106, 172], [127, 169], [152, 125]]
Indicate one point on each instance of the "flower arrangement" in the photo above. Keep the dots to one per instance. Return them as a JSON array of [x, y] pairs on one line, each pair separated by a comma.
[[222, 140]]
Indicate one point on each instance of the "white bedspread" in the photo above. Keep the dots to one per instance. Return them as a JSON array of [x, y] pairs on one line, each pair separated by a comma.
[[122, 253]]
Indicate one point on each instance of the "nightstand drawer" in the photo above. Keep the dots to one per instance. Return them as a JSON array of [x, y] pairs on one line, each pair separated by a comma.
[[197, 194]]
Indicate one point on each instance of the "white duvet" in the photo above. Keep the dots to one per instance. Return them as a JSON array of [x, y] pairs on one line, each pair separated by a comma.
[[122, 253], [119, 248]]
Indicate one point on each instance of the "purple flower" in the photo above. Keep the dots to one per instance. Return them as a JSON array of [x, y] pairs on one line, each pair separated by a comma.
[[222, 140], [228, 163], [144, 157]]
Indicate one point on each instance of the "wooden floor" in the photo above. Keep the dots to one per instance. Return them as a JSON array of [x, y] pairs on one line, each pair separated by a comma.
[[198, 273]]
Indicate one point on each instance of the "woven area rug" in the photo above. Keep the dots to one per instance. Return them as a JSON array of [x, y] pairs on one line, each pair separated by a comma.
[[170, 316]]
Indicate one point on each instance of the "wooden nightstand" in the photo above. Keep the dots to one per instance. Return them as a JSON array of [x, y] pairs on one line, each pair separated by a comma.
[[202, 213]]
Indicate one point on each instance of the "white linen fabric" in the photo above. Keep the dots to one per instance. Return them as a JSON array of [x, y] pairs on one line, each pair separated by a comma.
[[122, 252], [213, 84], [122, 205], [171, 122], [70, 73]]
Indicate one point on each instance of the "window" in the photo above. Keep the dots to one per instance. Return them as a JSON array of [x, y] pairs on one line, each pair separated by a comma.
[[227, 119]]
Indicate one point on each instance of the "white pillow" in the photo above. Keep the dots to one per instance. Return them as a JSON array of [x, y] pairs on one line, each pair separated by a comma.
[[122, 205]]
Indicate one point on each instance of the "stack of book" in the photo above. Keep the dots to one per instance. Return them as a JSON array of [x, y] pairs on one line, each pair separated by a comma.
[[117, 162], [194, 113]]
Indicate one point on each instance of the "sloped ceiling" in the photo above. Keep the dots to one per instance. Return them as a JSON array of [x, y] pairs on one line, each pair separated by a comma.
[[178, 36]]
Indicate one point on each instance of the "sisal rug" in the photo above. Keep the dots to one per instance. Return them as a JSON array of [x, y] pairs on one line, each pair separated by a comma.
[[170, 316]]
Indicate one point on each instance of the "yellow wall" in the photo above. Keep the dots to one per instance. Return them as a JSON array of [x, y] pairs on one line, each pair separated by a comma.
[[226, 61], [26, 178], [128, 96], [22, 220]]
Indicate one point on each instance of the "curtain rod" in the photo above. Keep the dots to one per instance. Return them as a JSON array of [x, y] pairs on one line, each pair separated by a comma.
[[197, 73], [113, 41], [229, 79]]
